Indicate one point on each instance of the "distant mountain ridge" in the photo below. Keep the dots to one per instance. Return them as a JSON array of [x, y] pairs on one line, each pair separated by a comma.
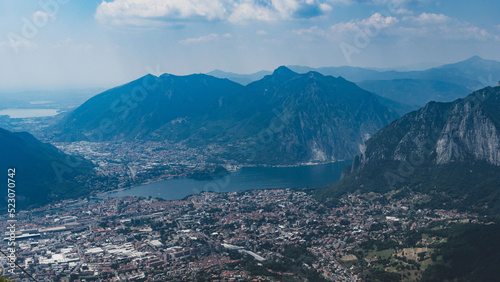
[[449, 149], [42, 173], [148, 107], [472, 72], [327, 117], [415, 88], [416, 91], [242, 79]]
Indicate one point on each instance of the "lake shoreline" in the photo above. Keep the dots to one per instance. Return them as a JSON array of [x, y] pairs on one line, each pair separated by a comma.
[[246, 177], [29, 113]]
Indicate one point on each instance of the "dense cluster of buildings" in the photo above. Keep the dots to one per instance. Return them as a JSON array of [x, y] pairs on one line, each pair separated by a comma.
[[144, 161], [205, 236]]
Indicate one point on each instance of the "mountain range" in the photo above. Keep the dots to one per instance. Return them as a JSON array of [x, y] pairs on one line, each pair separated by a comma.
[[43, 174], [283, 118], [415, 88], [450, 151]]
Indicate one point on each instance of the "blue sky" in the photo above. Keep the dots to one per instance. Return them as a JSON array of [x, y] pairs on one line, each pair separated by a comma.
[[55, 44]]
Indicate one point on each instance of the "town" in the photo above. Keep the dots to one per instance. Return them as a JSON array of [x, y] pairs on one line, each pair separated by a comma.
[[255, 235]]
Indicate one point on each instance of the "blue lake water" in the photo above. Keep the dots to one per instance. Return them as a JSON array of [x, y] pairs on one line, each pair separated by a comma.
[[246, 178], [28, 113]]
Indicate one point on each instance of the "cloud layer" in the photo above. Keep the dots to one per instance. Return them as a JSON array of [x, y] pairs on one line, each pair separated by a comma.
[[423, 26], [142, 12], [204, 38]]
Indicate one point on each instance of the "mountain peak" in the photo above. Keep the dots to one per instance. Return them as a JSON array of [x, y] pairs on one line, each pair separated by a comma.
[[284, 71], [474, 58], [150, 75], [475, 64]]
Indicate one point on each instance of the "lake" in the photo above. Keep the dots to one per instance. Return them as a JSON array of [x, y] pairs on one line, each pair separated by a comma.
[[28, 113], [246, 178]]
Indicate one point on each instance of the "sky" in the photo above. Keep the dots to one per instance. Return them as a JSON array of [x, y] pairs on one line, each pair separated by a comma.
[[74, 44]]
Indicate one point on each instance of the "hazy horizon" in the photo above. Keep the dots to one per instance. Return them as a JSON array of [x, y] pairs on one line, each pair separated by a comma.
[[64, 44], [98, 88]]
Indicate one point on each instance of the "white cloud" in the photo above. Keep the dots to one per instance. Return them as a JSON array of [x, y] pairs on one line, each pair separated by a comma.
[[42, 17], [396, 2], [273, 10], [143, 12], [344, 2], [312, 33], [430, 18], [130, 11], [395, 7], [347, 30], [443, 27], [261, 32], [375, 22], [325, 8], [497, 27], [314, 30], [203, 38], [420, 27], [249, 10], [403, 11]]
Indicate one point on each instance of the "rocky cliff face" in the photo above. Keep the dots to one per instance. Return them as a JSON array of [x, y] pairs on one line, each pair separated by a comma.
[[468, 133], [450, 150], [442, 133]]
